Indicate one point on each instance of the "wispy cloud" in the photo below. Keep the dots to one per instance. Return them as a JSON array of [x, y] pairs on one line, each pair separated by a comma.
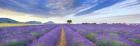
[[93, 10], [100, 5]]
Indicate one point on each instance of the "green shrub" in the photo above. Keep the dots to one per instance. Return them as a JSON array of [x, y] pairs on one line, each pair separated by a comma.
[[117, 43], [35, 34], [102, 43], [91, 37], [136, 41], [17, 43]]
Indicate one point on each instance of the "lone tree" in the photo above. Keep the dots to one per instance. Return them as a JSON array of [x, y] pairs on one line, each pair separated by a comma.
[[69, 21]]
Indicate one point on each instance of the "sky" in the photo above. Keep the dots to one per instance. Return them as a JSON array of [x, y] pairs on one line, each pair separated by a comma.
[[80, 11]]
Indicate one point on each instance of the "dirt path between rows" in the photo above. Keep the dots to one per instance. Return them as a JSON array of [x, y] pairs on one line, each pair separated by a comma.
[[62, 39]]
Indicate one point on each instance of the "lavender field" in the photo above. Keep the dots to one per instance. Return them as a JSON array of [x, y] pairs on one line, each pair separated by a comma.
[[71, 35]]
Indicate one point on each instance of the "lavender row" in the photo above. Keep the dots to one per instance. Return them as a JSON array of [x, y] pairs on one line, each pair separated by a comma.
[[96, 33], [75, 39], [15, 36], [49, 39]]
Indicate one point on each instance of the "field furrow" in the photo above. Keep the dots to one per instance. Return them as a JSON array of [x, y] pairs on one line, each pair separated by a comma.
[[62, 39]]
